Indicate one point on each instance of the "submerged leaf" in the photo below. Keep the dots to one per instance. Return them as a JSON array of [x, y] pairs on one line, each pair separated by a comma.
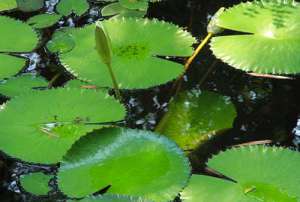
[[194, 116], [67, 7], [21, 84], [10, 65], [135, 45], [7, 5], [41, 126], [43, 20], [36, 183], [271, 40], [10, 38], [262, 174], [30, 5], [132, 162]]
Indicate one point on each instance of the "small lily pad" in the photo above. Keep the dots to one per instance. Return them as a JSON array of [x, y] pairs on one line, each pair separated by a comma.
[[117, 10], [61, 42], [7, 5], [134, 44], [271, 40], [261, 173], [10, 65], [30, 5], [41, 126], [194, 116], [67, 7], [36, 183], [43, 20], [134, 162], [21, 84], [112, 198], [10, 38]]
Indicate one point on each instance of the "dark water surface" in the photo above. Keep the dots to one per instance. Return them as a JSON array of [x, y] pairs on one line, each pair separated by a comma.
[[267, 108]]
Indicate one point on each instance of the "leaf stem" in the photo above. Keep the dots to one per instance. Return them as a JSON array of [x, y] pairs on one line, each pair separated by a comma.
[[114, 81]]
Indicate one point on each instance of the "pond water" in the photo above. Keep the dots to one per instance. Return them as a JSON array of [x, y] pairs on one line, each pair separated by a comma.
[[267, 108]]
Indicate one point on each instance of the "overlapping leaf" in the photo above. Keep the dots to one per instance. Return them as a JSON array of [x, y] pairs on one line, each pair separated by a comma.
[[262, 174], [135, 45], [271, 42], [194, 116], [41, 126], [132, 162], [36, 183], [66, 7], [43, 20], [10, 65]]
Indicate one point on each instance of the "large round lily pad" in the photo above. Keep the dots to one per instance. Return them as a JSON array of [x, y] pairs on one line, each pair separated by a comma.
[[21, 84], [41, 126], [271, 43], [195, 116], [262, 174], [135, 43], [10, 39], [10, 65], [133, 162]]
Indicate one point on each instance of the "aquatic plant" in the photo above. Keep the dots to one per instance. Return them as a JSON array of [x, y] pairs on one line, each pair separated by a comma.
[[34, 123], [260, 173], [43, 20], [36, 183], [195, 116], [7, 5], [269, 42], [134, 50], [118, 11], [112, 198], [131, 162], [30, 5], [67, 7]]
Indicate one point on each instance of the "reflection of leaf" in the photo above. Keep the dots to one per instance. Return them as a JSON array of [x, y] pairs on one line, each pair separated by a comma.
[[262, 174], [271, 44], [194, 116], [134, 44], [10, 65], [133, 162], [66, 7], [21, 84], [41, 126], [43, 20], [10, 40], [36, 183]]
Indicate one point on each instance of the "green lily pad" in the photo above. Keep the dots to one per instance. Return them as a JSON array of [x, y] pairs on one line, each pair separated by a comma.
[[134, 162], [195, 116], [61, 42], [10, 65], [41, 126], [21, 84], [117, 10], [30, 5], [67, 7], [135, 4], [10, 39], [43, 20], [113, 198], [7, 5], [271, 40], [262, 174], [36, 183], [134, 44]]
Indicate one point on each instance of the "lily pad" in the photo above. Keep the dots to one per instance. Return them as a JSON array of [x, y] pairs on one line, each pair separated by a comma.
[[67, 7], [10, 39], [262, 174], [7, 5], [30, 5], [117, 10], [61, 42], [113, 198], [135, 4], [10, 65], [271, 40], [134, 162], [195, 116], [36, 183], [134, 44], [43, 20], [21, 84], [41, 126]]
